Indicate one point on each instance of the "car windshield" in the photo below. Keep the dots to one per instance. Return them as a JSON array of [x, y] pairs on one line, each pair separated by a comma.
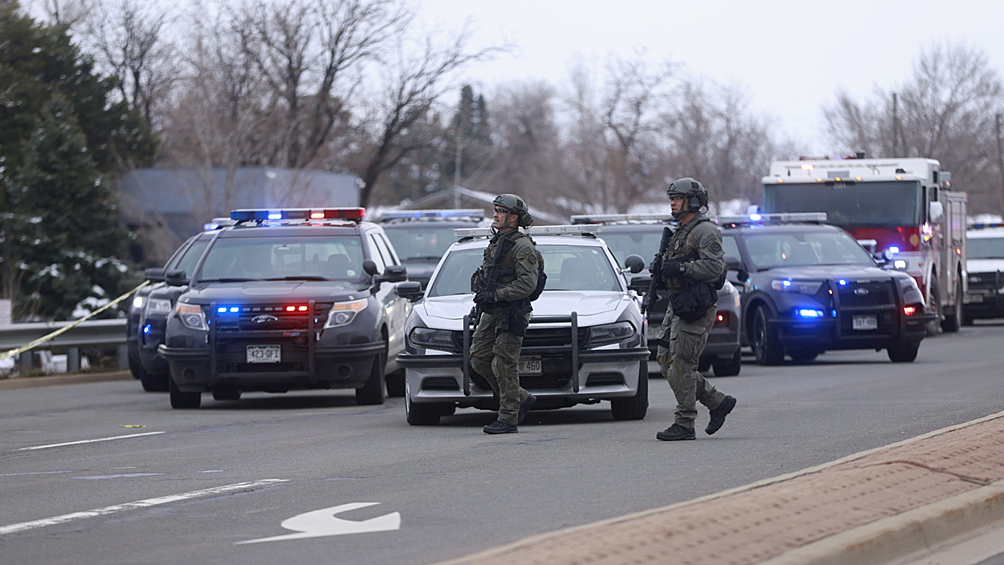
[[851, 203], [773, 249], [284, 258], [635, 242], [190, 258], [986, 248], [420, 242], [568, 267]]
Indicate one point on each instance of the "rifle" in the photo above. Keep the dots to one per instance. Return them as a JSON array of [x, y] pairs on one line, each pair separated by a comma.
[[657, 281], [489, 280]]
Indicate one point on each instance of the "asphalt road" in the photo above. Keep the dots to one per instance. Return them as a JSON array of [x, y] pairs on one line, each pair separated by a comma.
[[104, 472]]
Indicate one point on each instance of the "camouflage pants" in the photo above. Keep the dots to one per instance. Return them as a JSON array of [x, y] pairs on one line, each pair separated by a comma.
[[679, 362], [495, 356]]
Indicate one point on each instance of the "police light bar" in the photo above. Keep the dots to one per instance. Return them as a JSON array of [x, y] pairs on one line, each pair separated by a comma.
[[299, 214], [420, 214], [602, 218], [781, 217], [540, 230], [984, 225], [217, 223]]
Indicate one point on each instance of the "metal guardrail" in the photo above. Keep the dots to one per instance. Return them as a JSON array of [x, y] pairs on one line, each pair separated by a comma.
[[92, 333]]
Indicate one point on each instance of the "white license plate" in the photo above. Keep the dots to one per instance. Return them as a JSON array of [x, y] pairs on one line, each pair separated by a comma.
[[864, 323], [264, 354], [529, 365], [975, 298]]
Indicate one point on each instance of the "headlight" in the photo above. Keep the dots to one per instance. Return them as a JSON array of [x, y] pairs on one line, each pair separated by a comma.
[[429, 338], [344, 312], [137, 302], [191, 316], [158, 306], [610, 333], [801, 287]]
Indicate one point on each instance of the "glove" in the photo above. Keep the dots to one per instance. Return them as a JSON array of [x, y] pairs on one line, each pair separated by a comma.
[[485, 297], [672, 268]]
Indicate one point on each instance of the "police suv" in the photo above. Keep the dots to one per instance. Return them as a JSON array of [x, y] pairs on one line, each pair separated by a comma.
[[586, 341], [985, 267], [625, 234], [420, 237], [808, 288], [287, 299]]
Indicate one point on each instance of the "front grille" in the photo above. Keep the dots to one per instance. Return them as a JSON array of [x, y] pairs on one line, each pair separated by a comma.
[[985, 280], [539, 337], [866, 293]]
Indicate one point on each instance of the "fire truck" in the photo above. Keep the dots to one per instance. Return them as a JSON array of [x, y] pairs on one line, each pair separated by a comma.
[[901, 208]]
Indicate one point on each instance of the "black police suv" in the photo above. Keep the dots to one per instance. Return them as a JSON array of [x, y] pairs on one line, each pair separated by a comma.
[[421, 237], [288, 299], [808, 288], [627, 234]]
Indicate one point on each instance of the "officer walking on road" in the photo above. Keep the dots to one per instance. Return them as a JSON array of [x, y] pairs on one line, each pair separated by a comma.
[[503, 286], [693, 267]]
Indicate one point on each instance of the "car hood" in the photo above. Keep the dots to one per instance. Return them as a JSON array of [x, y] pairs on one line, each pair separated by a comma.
[[271, 291], [984, 265], [447, 312], [822, 272]]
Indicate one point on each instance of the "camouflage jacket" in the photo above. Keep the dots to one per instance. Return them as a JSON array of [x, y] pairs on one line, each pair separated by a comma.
[[519, 266], [702, 236]]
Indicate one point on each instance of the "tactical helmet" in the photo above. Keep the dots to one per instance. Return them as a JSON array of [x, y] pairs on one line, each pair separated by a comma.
[[694, 192], [515, 205]]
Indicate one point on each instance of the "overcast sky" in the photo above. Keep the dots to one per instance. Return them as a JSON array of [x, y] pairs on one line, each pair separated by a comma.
[[790, 56]]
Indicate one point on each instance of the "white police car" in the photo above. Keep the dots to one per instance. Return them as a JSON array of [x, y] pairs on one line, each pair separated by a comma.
[[288, 299], [586, 341], [985, 268]]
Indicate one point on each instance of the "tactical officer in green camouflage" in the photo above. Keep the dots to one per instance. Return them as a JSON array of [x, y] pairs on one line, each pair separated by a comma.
[[693, 267], [503, 286]]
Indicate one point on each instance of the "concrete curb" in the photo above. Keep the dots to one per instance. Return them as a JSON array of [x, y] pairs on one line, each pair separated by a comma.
[[66, 379]]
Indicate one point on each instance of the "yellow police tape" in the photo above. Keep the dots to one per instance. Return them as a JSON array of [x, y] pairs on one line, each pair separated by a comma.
[[65, 328]]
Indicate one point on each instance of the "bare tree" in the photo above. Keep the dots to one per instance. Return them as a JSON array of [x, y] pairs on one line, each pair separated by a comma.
[[70, 13]]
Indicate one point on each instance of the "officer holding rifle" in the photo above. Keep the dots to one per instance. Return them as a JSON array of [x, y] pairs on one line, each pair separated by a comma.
[[692, 268], [503, 287]]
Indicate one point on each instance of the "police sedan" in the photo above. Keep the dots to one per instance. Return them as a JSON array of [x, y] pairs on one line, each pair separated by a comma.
[[586, 341]]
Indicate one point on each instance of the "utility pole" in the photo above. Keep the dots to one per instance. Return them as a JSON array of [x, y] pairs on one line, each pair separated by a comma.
[[457, 163], [1000, 157], [895, 125]]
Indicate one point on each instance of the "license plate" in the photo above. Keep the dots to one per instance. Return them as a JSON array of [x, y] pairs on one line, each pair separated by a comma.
[[529, 365], [975, 298], [864, 323], [264, 354]]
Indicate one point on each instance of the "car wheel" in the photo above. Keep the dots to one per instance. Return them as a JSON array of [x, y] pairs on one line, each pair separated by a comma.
[[731, 367], [135, 367], [154, 382], [183, 400], [636, 407], [951, 324], [226, 393], [420, 414], [372, 391], [766, 346], [934, 303], [395, 384], [903, 352]]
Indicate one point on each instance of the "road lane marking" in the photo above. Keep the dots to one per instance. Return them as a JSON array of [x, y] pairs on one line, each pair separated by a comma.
[[122, 476], [24, 526], [88, 441], [320, 523]]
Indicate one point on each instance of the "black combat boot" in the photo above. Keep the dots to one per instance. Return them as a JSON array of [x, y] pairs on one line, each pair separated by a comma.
[[500, 427], [525, 407], [676, 432], [718, 414]]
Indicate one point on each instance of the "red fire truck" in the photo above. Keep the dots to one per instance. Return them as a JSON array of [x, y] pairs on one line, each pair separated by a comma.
[[903, 208]]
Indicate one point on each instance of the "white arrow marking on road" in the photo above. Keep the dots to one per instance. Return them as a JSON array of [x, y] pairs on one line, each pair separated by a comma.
[[320, 523]]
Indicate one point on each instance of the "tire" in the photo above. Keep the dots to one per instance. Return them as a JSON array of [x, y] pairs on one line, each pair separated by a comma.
[[135, 367], [731, 367], [372, 392], [951, 324], [420, 414], [903, 352], [226, 393], [803, 355], [183, 400], [636, 407], [766, 346], [395, 384], [934, 303], [153, 382]]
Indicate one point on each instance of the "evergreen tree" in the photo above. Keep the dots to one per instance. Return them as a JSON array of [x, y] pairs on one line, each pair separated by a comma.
[[468, 139]]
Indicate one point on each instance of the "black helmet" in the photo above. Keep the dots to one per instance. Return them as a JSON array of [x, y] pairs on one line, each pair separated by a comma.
[[515, 205], [694, 192]]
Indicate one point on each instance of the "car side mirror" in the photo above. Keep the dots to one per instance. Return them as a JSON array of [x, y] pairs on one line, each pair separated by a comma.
[[640, 283], [937, 211], [370, 267], [736, 266], [394, 273], [155, 274], [634, 263], [409, 290], [176, 277]]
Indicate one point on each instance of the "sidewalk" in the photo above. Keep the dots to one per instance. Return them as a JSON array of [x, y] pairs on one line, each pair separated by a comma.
[[871, 507]]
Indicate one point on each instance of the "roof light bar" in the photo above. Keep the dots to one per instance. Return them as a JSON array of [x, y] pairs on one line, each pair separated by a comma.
[[602, 218], [540, 230], [782, 217], [299, 214], [419, 214]]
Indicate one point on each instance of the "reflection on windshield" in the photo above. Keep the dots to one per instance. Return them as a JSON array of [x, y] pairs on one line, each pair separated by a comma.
[[637, 242], [986, 248], [427, 243], [852, 204], [769, 250], [568, 267], [284, 258]]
